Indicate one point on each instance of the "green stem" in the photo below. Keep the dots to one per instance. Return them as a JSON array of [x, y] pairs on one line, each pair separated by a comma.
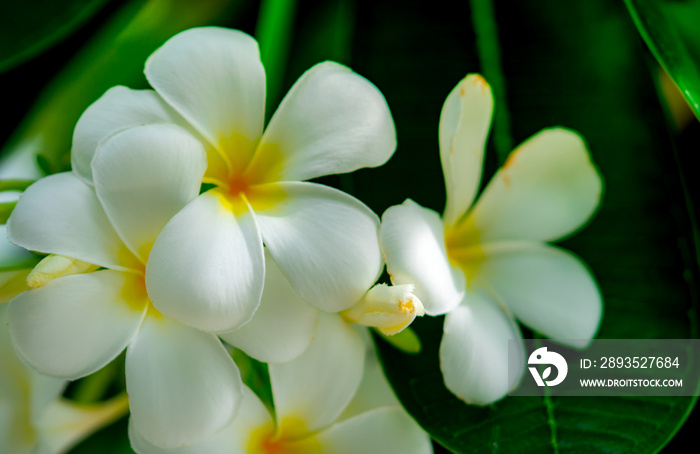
[[488, 49]]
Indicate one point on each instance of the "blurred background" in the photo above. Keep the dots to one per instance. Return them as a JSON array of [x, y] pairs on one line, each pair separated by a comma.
[[588, 65]]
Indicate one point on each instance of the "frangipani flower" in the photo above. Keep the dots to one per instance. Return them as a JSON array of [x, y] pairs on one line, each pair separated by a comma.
[[182, 383], [207, 267], [33, 416], [284, 324], [484, 263], [318, 407]]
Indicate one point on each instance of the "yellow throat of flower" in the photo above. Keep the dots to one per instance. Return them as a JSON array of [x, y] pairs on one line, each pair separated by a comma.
[[243, 178], [290, 438], [463, 248]]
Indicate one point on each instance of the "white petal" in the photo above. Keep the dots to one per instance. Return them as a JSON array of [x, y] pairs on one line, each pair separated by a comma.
[[413, 243], [143, 177], [474, 351], [317, 386], [207, 267], [44, 391], [182, 384], [61, 215], [324, 241], [547, 288], [214, 78], [235, 438], [283, 325], [374, 390], [464, 128], [380, 431], [546, 190], [75, 325], [332, 121], [119, 108]]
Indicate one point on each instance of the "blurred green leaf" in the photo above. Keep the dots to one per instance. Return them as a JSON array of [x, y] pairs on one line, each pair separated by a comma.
[[685, 16], [274, 34], [580, 66], [15, 185], [668, 46], [6, 210], [28, 28], [116, 55]]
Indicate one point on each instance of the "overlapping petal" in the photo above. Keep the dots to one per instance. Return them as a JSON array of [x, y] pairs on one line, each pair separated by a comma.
[[464, 127], [214, 78], [374, 390], [61, 214], [383, 430], [11, 255], [474, 351], [206, 268], [316, 386], [546, 190], [324, 241], [547, 288], [413, 243], [233, 439], [182, 384], [75, 325], [331, 121], [145, 175], [283, 325], [118, 109]]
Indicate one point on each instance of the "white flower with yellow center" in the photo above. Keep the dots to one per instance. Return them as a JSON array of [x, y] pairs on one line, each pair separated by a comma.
[[182, 383], [487, 262], [326, 401], [207, 267], [33, 416], [284, 324]]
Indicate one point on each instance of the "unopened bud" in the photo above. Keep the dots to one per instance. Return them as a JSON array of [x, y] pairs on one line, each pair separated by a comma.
[[390, 309], [55, 266]]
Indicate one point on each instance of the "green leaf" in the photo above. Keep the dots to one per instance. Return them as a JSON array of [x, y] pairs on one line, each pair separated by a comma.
[[407, 341], [578, 65], [116, 55], [28, 28], [669, 47], [274, 35]]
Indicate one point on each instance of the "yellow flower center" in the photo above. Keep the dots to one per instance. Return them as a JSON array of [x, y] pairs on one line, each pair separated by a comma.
[[135, 294], [247, 180], [463, 248], [290, 438]]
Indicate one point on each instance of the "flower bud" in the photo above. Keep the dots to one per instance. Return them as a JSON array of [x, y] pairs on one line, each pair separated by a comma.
[[390, 309], [55, 266]]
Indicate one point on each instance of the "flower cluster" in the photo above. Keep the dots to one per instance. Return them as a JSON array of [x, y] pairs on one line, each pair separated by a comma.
[[186, 229]]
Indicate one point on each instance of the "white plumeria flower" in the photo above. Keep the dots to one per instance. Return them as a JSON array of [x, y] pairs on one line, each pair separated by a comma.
[[484, 263], [284, 324], [322, 405], [207, 267], [182, 383], [33, 416]]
